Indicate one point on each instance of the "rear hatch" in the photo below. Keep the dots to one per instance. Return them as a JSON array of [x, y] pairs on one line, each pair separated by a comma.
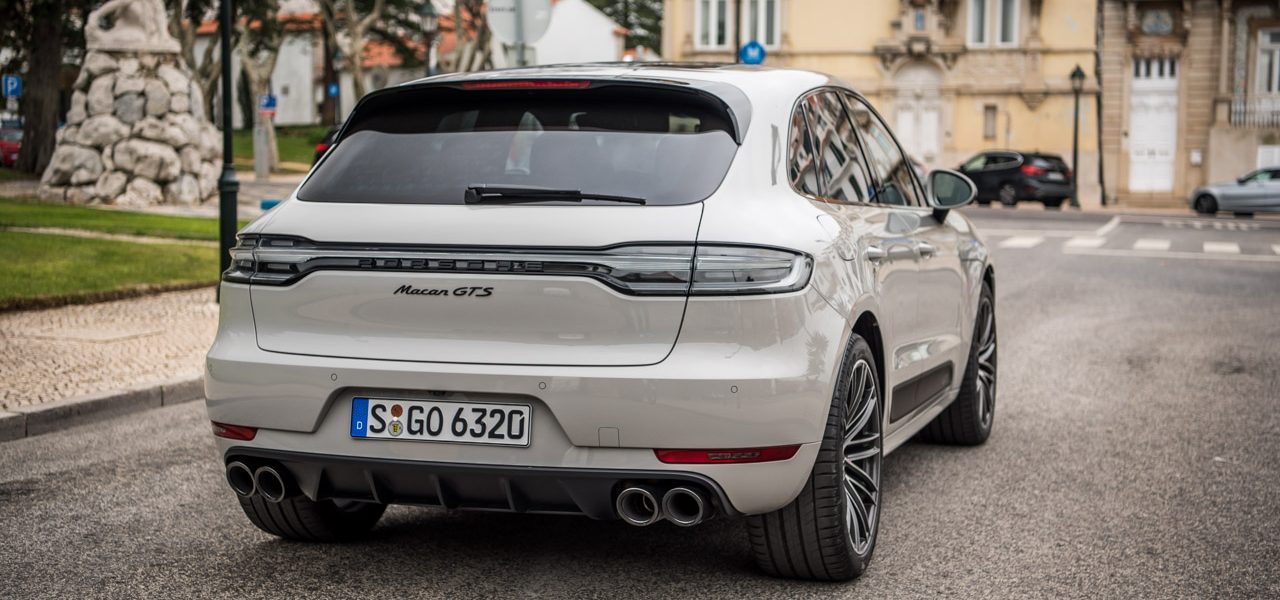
[[1047, 167], [510, 223]]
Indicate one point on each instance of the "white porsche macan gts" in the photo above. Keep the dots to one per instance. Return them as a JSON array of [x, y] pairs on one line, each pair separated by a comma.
[[642, 292]]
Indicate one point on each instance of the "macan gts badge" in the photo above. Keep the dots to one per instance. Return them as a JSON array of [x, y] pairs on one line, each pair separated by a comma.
[[650, 293]]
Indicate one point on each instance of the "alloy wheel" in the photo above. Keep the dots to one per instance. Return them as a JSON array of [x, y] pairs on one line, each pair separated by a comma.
[[862, 456], [986, 362]]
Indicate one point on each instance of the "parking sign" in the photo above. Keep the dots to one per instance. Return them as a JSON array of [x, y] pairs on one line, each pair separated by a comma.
[[12, 85]]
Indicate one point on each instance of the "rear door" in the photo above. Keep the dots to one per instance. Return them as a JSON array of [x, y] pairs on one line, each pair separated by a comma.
[[385, 254], [973, 169]]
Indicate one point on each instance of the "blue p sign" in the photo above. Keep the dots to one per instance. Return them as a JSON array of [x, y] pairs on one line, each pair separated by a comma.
[[12, 85]]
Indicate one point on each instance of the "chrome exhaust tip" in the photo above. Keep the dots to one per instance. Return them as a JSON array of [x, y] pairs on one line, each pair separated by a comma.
[[271, 484], [240, 478], [685, 506], [639, 506]]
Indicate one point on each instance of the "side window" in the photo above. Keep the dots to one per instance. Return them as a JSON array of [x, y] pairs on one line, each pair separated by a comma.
[[975, 163], [800, 164], [896, 185], [840, 160]]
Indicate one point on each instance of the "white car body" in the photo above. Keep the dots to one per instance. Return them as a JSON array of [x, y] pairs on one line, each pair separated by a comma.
[[609, 378]]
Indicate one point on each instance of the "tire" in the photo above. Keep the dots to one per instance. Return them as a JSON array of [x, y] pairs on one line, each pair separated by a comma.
[[969, 419], [1053, 203], [1242, 215], [301, 519], [1008, 195], [824, 534], [1206, 205]]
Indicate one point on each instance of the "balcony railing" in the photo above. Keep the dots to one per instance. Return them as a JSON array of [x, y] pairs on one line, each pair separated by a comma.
[[1255, 112]]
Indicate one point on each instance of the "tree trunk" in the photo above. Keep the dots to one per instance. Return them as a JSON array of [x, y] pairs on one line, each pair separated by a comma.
[[40, 101]]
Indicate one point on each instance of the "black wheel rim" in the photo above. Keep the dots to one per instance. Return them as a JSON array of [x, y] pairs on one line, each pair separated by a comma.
[[1006, 194], [862, 455], [986, 362]]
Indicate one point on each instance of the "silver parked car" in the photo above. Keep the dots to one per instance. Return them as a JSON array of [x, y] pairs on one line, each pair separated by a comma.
[[639, 292], [1259, 191]]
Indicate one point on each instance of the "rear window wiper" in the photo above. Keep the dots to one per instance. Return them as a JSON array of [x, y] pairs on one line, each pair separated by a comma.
[[502, 194]]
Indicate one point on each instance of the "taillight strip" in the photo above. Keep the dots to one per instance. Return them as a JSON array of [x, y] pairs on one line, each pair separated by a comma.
[[639, 269]]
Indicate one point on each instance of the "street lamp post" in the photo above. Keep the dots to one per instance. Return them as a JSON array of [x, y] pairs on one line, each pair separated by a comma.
[[228, 186], [1077, 84]]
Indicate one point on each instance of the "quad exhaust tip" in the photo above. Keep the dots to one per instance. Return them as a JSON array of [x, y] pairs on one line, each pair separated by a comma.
[[639, 506], [240, 478], [684, 506]]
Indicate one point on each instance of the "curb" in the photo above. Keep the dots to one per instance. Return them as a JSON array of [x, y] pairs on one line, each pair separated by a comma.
[[28, 421]]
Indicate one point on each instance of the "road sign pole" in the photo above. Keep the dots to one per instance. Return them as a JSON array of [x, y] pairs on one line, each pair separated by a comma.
[[737, 31], [520, 61]]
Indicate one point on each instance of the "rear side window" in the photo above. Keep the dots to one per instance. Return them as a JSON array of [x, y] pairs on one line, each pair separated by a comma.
[[842, 164], [427, 146], [801, 166]]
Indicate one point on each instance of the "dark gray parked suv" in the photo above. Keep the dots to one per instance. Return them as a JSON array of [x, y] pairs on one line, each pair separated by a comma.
[[1010, 176]]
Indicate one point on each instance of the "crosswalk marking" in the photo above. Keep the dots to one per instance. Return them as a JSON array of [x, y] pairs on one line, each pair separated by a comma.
[[1222, 247], [1022, 241], [1086, 242], [1152, 244]]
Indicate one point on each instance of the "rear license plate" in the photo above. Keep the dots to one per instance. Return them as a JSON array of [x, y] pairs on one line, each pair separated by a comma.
[[1055, 176], [429, 421]]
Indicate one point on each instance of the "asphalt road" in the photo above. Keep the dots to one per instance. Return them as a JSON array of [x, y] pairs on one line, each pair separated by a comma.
[[1134, 455]]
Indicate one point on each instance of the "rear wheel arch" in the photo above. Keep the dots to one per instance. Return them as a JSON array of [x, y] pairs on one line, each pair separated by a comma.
[[868, 327]]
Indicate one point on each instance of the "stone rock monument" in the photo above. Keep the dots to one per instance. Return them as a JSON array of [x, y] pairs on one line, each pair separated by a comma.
[[136, 134]]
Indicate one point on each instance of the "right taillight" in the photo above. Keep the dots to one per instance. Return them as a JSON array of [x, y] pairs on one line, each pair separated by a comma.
[[734, 270]]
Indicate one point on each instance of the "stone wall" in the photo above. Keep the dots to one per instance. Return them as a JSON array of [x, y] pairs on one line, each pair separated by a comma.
[[136, 135]]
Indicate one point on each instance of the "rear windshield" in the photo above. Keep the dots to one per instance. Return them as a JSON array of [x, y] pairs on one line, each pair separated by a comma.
[[427, 146]]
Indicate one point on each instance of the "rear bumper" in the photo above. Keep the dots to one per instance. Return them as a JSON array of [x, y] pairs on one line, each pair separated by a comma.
[[494, 488], [758, 372], [1040, 190]]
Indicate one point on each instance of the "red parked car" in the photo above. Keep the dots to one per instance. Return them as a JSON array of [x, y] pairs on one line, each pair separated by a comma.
[[10, 142]]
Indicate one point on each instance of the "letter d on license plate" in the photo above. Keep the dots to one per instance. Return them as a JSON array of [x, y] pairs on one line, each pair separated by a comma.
[[430, 421]]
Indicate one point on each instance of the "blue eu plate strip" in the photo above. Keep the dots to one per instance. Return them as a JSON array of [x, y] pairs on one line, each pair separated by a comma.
[[359, 413]]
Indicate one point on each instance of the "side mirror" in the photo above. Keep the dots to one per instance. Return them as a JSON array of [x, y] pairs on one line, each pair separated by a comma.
[[949, 189]]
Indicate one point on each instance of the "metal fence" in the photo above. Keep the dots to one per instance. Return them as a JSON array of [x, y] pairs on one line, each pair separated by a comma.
[[1255, 112]]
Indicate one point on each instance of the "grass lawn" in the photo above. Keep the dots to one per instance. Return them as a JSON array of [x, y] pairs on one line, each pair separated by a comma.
[[296, 144], [40, 269], [7, 174], [29, 213]]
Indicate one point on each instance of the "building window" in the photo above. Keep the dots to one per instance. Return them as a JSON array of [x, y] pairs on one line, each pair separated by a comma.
[[919, 20], [993, 20], [760, 21], [989, 122], [1269, 61], [713, 23]]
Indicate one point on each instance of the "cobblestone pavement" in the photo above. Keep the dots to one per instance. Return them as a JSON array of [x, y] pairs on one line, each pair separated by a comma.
[[49, 355]]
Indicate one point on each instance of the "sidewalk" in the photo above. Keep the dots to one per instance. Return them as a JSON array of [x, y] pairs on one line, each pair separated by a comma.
[[73, 351]]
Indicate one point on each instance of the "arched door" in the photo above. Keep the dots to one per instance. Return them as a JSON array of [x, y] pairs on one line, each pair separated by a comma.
[[919, 110]]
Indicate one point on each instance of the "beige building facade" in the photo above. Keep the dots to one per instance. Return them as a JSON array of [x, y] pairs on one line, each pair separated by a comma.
[[953, 77], [1192, 95]]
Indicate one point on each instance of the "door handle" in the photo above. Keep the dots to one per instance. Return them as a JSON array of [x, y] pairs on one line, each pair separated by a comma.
[[926, 250], [875, 254]]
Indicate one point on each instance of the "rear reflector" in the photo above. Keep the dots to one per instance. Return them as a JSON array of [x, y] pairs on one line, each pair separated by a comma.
[[526, 84], [234, 432], [733, 455]]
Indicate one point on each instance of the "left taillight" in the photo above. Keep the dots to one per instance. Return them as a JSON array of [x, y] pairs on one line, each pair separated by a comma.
[[1032, 171], [243, 264], [738, 270], [234, 432]]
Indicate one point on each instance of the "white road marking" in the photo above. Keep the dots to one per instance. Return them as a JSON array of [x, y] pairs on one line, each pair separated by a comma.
[[1172, 255], [1275, 248], [1022, 241], [1086, 242], [1105, 229], [1151, 245], [1222, 247], [995, 232]]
